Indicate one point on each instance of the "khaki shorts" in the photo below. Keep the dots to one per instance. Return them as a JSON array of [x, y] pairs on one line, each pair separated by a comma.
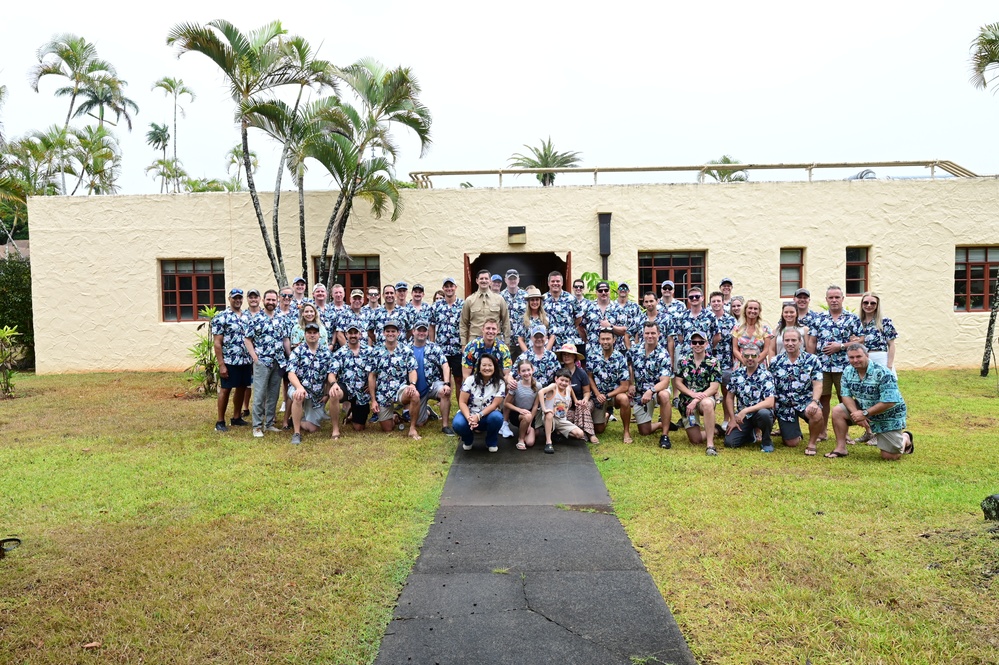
[[387, 411], [642, 413], [830, 379], [890, 442], [563, 426], [311, 412], [600, 412]]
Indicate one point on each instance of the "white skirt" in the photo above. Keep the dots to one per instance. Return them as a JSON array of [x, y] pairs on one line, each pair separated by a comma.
[[881, 358]]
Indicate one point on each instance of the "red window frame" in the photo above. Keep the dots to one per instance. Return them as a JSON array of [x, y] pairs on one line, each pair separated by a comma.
[[789, 284], [359, 273], [686, 269], [188, 285], [857, 271], [975, 273]]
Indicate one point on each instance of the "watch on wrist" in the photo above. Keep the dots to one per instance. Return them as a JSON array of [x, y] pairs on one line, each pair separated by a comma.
[[864, 412]]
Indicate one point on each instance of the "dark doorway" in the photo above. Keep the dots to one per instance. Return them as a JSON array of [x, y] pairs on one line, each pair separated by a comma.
[[532, 266]]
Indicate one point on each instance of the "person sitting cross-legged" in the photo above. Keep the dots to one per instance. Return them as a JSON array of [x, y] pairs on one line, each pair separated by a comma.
[[752, 390]]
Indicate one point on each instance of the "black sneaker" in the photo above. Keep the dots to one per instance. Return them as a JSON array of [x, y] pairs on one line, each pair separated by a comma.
[[674, 427], [549, 449], [239, 422], [448, 431], [433, 415], [220, 426], [245, 413], [664, 442]]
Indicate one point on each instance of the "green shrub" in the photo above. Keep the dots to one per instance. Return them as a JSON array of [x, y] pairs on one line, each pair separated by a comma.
[[15, 305]]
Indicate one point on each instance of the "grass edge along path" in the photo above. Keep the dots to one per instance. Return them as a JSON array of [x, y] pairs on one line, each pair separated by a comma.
[[778, 558], [149, 537]]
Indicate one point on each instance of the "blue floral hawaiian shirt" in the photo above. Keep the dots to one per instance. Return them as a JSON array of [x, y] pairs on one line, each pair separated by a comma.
[[637, 330], [827, 329], [750, 389], [608, 373], [626, 315], [378, 318], [267, 334], [809, 319], [518, 332], [675, 308], [687, 323], [592, 316], [793, 381], [562, 315], [697, 378], [446, 320], [724, 324], [544, 367], [878, 385], [516, 304], [391, 369], [874, 339], [352, 371], [232, 327], [648, 368], [477, 348], [433, 362], [312, 369]]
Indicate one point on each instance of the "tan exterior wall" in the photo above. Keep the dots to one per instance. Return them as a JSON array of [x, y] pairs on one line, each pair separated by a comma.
[[95, 261]]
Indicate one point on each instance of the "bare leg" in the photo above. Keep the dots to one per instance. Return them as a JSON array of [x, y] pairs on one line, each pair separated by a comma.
[[223, 402], [841, 425], [707, 407]]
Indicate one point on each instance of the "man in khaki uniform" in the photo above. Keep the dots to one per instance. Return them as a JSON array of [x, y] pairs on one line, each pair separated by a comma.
[[481, 305]]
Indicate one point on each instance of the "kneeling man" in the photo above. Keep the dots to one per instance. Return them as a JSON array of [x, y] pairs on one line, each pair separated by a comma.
[[609, 381], [752, 389], [309, 374]]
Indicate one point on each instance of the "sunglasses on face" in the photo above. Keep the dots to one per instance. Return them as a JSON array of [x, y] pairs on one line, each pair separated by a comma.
[[745, 357], [694, 297], [667, 288], [603, 290], [577, 286], [697, 342], [869, 303], [286, 295]]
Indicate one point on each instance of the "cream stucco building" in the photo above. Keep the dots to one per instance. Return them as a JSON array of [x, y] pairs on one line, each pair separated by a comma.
[[100, 265]]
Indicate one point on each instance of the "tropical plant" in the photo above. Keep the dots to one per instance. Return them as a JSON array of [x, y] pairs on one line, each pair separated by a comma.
[[8, 358], [545, 157], [385, 98], [205, 369], [591, 279], [158, 138], [234, 158], [75, 59], [96, 159], [210, 185], [726, 175], [174, 88], [168, 170], [106, 92], [252, 63]]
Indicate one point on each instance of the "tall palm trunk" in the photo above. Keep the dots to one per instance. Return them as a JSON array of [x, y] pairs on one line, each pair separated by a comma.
[[277, 185], [341, 227], [324, 273], [279, 275], [991, 334], [301, 222], [176, 185]]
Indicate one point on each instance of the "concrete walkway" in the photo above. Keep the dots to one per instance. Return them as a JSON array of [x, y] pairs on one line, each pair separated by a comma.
[[525, 563]]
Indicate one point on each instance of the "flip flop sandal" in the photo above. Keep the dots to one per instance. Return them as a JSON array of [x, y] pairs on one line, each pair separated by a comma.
[[911, 448], [811, 452], [835, 455], [521, 445]]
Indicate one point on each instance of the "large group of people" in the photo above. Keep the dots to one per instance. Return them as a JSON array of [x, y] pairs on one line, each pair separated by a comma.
[[539, 367]]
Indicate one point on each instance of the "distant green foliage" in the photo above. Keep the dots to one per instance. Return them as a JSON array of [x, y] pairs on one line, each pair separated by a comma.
[[205, 369], [591, 279], [8, 357], [15, 304]]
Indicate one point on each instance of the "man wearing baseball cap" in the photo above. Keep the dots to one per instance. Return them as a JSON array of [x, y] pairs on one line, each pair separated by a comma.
[[392, 379], [235, 366], [401, 295], [725, 286], [444, 319], [417, 309], [298, 286], [626, 312], [433, 376], [349, 366], [389, 311], [516, 302], [309, 374]]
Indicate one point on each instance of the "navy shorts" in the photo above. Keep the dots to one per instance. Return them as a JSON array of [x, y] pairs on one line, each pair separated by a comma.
[[240, 376]]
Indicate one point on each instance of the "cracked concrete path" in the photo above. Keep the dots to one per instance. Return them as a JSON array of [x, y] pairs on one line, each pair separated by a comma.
[[526, 563]]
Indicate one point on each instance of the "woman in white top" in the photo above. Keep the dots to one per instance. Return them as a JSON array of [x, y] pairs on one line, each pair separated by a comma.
[[479, 403]]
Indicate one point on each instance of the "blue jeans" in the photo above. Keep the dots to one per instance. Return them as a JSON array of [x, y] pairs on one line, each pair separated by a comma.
[[490, 424]]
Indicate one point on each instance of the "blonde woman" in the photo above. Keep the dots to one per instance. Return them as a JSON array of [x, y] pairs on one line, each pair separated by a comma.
[[876, 331], [534, 315], [307, 313], [752, 330]]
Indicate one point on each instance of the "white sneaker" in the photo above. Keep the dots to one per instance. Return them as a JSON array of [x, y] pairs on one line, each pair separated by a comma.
[[494, 449], [258, 433], [282, 407], [466, 446], [505, 431], [612, 418], [272, 428]]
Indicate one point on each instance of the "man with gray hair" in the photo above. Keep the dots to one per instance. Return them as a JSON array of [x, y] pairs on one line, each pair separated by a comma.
[[831, 332], [871, 398], [798, 379], [751, 388]]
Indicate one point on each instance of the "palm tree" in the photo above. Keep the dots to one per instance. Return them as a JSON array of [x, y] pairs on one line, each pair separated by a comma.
[[158, 138], [176, 88], [385, 98], [96, 160], [106, 92], [985, 58], [234, 158], [169, 171], [726, 175], [75, 59], [252, 63], [545, 157]]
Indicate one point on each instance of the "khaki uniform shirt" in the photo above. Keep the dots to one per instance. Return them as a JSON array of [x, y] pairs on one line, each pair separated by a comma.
[[478, 307]]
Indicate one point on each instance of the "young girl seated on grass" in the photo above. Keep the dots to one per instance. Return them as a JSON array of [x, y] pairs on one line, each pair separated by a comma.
[[557, 399], [522, 404]]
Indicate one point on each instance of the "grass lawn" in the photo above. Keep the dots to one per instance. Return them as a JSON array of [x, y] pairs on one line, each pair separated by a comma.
[[778, 558], [164, 542]]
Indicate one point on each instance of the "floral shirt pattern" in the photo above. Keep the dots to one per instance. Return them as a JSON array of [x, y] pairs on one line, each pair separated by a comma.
[[411, 315], [675, 308], [592, 316], [477, 348], [284, 323], [267, 334], [391, 369], [637, 330], [687, 323], [608, 373], [878, 385], [519, 332], [745, 338], [562, 315], [297, 335], [446, 320], [725, 325], [312, 369], [232, 327], [479, 397], [296, 305], [378, 318], [874, 339], [544, 367], [330, 315], [809, 319], [433, 362], [626, 315], [648, 369], [349, 317], [750, 389], [793, 381], [697, 378], [827, 329], [516, 304], [352, 371]]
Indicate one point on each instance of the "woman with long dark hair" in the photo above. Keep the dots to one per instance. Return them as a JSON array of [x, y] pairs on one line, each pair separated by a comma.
[[479, 404]]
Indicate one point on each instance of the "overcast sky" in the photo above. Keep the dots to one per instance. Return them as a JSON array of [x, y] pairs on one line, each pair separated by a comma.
[[624, 83]]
